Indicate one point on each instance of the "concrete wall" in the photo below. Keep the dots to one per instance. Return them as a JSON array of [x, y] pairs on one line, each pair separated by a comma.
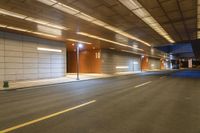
[[113, 59], [20, 59]]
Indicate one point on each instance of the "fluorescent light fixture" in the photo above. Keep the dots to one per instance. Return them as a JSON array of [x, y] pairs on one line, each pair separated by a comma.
[[48, 2], [143, 14], [42, 22], [78, 41], [67, 9], [132, 5], [85, 16], [106, 40], [30, 19], [28, 31], [15, 28], [48, 49], [36, 20], [49, 30], [99, 23], [121, 67], [2, 25], [13, 14]]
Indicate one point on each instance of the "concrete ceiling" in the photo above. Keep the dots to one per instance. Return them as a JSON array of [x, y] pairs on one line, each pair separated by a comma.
[[177, 17]]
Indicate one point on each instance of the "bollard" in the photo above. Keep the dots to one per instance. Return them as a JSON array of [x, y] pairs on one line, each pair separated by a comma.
[[5, 84]]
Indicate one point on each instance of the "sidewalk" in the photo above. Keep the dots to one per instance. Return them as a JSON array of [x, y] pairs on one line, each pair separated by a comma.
[[69, 78]]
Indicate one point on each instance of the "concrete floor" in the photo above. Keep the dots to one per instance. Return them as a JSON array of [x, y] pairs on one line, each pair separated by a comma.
[[145, 103]]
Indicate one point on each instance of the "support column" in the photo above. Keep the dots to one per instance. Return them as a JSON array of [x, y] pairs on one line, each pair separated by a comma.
[[77, 61]]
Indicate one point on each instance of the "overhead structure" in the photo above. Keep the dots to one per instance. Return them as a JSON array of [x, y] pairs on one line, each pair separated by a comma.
[[143, 14], [67, 9]]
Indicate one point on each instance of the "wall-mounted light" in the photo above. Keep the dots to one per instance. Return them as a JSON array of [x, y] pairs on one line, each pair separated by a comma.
[[80, 45], [121, 67], [48, 49]]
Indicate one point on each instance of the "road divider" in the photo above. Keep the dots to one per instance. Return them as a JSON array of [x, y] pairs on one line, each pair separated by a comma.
[[137, 86], [46, 117]]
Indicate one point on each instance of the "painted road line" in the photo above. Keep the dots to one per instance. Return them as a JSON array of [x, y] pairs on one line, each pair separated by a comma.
[[143, 84], [46, 117]]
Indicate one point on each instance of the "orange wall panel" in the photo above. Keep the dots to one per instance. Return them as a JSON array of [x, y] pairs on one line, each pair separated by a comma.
[[145, 63], [89, 63], [162, 64], [71, 62]]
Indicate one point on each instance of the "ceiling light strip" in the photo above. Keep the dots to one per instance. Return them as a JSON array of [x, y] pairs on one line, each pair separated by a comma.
[[13, 14], [143, 14], [38, 21], [81, 15], [28, 31], [78, 41], [106, 40]]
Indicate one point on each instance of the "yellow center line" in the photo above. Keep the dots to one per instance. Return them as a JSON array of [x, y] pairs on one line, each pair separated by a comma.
[[143, 84], [46, 117]]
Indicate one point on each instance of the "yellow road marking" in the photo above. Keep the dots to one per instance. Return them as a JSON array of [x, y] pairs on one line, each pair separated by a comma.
[[45, 117], [143, 84]]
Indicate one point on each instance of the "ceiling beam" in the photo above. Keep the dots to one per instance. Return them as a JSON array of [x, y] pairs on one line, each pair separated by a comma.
[[183, 19], [160, 4]]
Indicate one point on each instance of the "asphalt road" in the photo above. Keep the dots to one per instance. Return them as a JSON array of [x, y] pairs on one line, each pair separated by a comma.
[[145, 103]]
